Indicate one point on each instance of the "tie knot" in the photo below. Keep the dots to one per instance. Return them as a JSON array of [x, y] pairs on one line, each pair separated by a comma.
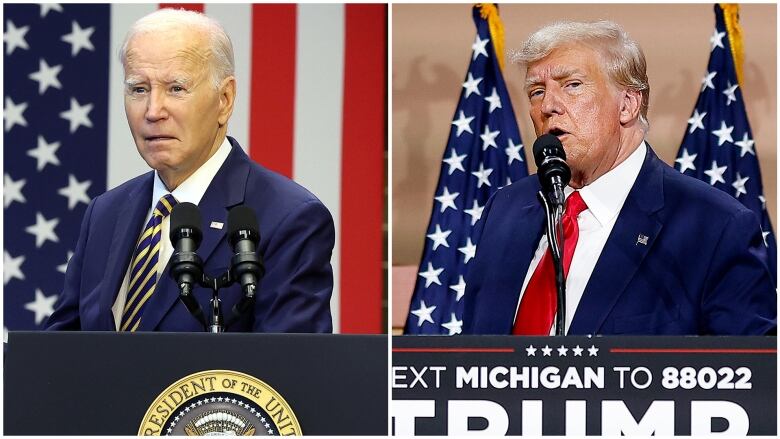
[[165, 205], [575, 205]]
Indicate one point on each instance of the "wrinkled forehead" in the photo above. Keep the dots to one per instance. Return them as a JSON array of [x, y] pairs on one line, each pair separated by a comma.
[[565, 60], [173, 49]]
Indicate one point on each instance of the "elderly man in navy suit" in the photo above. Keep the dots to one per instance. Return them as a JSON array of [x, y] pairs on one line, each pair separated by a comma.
[[179, 96], [651, 251]]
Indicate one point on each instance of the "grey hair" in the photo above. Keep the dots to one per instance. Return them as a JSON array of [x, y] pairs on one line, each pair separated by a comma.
[[623, 58], [222, 61]]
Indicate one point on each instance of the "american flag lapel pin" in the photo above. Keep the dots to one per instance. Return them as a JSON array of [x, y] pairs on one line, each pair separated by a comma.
[[641, 239], [216, 225]]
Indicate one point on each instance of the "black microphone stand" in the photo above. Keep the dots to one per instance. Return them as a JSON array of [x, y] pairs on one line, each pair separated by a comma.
[[555, 237]]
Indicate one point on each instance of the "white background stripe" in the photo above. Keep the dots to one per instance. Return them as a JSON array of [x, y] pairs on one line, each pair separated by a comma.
[[237, 21], [319, 77], [124, 162]]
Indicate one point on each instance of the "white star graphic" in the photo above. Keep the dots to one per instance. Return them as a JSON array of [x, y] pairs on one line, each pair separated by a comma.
[[439, 237], [46, 76], [42, 306], [423, 313], [469, 250], [455, 326], [475, 212], [489, 138], [471, 85], [513, 152], [12, 267], [696, 121], [593, 351], [716, 40], [14, 114], [45, 153], [12, 190], [75, 191], [43, 230], [63, 268], [730, 93], [431, 275], [762, 199], [14, 37], [494, 100], [463, 124], [478, 48], [482, 175], [577, 351], [724, 133], [78, 38], [562, 351], [706, 81], [459, 288], [77, 115], [686, 161], [46, 7], [739, 185], [530, 351], [455, 162], [447, 200], [716, 173], [746, 145], [546, 350]]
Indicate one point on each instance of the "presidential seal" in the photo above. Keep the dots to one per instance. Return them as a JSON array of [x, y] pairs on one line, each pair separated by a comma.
[[219, 403]]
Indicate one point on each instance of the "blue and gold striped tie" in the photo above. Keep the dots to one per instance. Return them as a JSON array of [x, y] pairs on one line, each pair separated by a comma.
[[143, 277]]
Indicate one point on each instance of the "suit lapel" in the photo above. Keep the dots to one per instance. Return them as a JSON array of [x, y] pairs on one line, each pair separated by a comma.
[[128, 226], [631, 239], [226, 190]]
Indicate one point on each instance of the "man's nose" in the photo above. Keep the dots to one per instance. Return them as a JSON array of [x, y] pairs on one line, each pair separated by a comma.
[[155, 106], [551, 102]]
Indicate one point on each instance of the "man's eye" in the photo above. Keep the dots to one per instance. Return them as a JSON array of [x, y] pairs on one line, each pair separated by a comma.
[[574, 84], [534, 93], [177, 89], [138, 90]]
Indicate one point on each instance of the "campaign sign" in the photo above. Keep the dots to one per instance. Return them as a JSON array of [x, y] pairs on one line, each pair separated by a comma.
[[578, 386]]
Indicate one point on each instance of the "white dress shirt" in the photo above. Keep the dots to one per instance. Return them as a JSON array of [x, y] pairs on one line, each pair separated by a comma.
[[604, 198], [190, 190]]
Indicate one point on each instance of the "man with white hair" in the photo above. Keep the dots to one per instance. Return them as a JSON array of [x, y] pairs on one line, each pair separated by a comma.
[[649, 250], [179, 94]]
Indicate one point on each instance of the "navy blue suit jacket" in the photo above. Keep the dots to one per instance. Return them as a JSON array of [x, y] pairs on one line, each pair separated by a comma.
[[296, 241], [703, 270]]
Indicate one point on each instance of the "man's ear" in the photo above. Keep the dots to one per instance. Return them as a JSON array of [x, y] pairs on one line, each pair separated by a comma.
[[227, 98], [630, 106]]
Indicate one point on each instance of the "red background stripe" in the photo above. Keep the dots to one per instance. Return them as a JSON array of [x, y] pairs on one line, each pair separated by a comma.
[[271, 114], [197, 7], [363, 168]]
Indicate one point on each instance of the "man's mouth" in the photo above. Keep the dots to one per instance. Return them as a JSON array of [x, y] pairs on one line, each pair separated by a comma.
[[557, 132], [155, 138]]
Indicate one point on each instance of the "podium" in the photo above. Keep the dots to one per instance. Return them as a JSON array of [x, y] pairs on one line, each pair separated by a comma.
[[578, 386], [106, 383]]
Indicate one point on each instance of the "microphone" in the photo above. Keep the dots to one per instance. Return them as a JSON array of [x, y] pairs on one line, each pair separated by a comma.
[[186, 266], [553, 172], [246, 266]]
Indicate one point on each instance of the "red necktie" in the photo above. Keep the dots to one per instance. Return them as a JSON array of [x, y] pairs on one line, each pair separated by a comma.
[[537, 309]]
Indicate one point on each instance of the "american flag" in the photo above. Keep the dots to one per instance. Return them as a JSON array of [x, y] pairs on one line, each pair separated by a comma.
[[718, 145], [311, 105], [484, 153]]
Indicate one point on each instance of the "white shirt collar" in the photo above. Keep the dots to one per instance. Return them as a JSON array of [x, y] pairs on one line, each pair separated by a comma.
[[606, 195], [192, 189]]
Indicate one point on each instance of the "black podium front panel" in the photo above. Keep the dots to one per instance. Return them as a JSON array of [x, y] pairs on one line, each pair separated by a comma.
[[85, 383]]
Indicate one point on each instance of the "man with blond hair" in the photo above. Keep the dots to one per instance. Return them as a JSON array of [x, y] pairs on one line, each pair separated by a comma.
[[179, 95], [650, 251]]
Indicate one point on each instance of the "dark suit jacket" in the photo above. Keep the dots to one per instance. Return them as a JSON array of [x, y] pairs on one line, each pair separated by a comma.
[[297, 238], [702, 271]]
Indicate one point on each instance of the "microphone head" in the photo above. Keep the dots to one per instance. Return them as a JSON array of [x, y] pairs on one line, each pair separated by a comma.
[[550, 158], [185, 223], [242, 224], [547, 145]]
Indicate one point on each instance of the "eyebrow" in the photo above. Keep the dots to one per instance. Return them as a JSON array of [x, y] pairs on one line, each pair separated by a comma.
[[556, 72], [135, 80]]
